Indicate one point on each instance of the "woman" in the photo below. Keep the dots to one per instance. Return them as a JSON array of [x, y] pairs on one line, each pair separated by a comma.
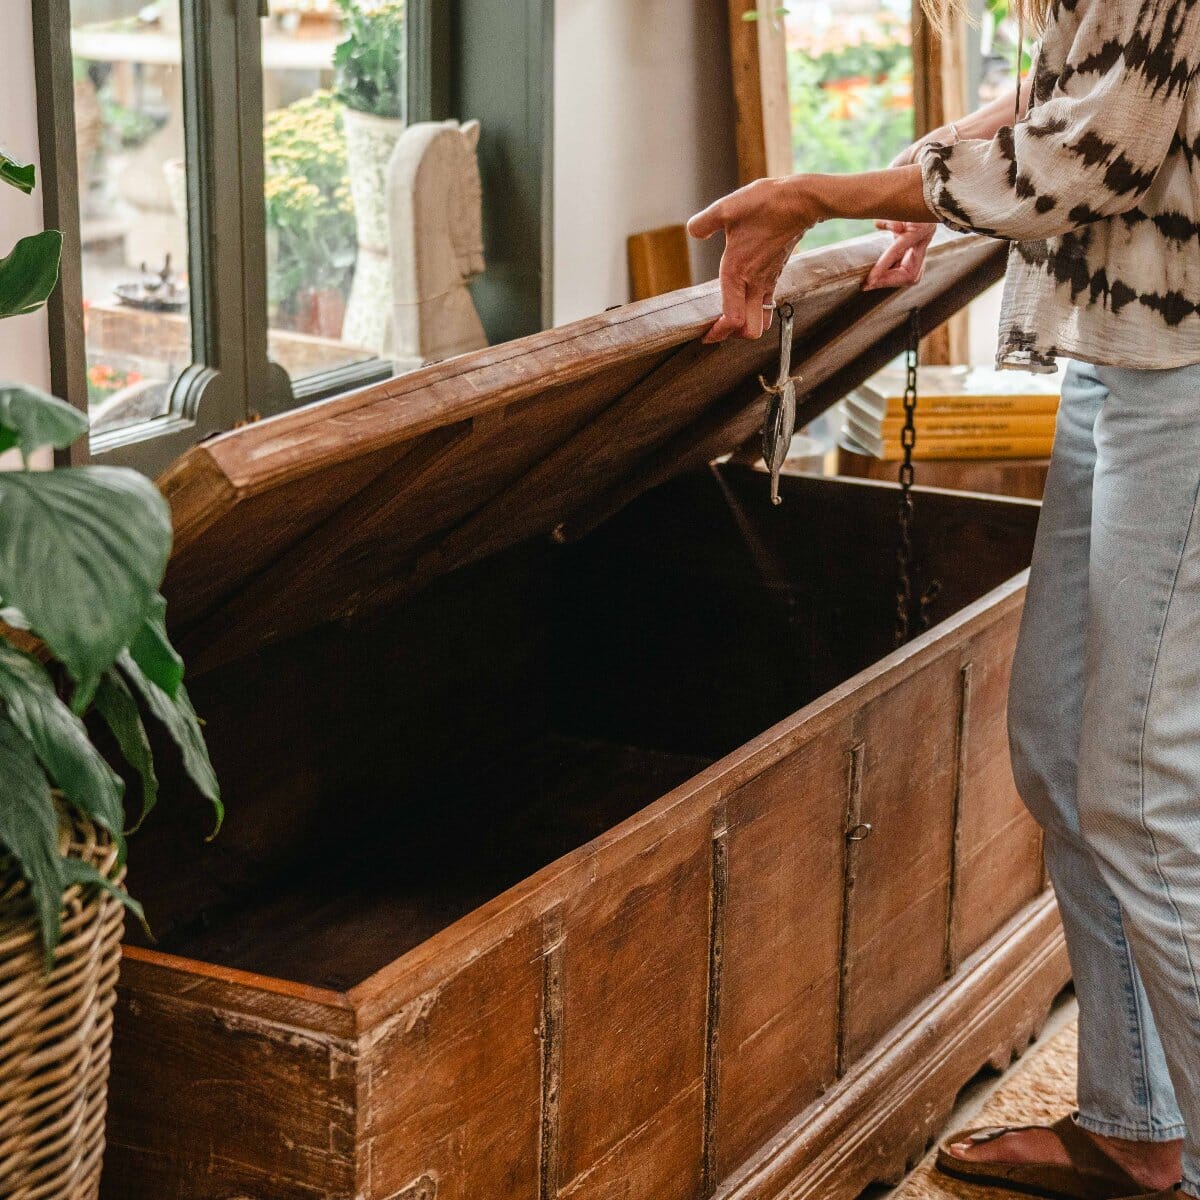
[[1097, 186]]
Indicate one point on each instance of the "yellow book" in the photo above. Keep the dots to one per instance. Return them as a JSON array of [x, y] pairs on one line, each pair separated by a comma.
[[953, 424], [890, 450], [960, 390]]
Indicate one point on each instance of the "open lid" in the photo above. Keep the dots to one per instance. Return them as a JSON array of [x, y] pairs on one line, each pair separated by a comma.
[[352, 504]]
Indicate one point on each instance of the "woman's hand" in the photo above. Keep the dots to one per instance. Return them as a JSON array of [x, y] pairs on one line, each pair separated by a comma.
[[903, 262], [762, 223]]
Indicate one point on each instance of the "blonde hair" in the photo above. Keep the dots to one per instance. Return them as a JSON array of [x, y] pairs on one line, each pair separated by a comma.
[[1032, 14]]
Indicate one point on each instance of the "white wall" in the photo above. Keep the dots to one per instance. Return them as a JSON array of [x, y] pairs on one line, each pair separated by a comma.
[[24, 356], [643, 136]]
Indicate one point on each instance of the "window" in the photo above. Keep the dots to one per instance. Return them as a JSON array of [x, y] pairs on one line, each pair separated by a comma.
[[225, 165], [850, 90]]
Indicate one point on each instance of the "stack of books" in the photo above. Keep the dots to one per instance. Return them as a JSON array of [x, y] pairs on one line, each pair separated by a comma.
[[962, 413]]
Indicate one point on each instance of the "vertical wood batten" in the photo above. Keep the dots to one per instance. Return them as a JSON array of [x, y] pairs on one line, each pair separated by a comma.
[[551, 1039], [964, 711], [718, 902], [854, 774]]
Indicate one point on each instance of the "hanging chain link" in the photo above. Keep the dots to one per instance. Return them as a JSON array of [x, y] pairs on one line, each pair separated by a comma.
[[908, 439]]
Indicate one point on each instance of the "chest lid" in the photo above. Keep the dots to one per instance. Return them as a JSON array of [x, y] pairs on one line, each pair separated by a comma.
[[349, 505]]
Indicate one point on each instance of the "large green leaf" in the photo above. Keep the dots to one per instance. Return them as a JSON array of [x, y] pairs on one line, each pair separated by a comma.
[[20, 175], [59, 740], [75, 870], [29, 273], [32, 419], [151, 649], [181, 722], [115, 703], [29, 828], [82, 552]]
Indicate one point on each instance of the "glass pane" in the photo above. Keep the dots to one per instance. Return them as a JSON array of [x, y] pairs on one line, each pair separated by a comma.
[[334, 89], [997, 68], [850, 83], [132, 206]]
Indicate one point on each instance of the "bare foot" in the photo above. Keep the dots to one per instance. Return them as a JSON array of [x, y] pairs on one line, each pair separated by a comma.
[[1155, 1165]]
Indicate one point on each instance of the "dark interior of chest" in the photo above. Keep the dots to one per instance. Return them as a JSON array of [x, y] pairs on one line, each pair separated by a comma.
[[383, 779]]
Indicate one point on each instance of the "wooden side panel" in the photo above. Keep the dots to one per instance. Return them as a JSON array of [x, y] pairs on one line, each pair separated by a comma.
[[999, 851], [897, 908], [777, 1047], [209, 1101], [452, 1082], [635, 999]]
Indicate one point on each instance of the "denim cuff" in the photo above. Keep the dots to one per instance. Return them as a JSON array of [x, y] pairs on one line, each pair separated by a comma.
[[1133, 1133]]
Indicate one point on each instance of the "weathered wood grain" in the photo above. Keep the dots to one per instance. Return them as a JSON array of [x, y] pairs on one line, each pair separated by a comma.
[[999, 858], [779, 986], [899, 902]]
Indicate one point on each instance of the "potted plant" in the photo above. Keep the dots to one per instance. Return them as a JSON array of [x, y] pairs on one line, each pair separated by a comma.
[[310, 216], [371, 83], [82, 554]]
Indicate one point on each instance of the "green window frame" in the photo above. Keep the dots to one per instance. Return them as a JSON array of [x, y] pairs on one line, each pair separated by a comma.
[[454, 68]]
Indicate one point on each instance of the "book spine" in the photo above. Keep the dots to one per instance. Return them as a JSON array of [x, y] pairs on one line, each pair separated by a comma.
[[949, 447], [966, 426], [986, 405]]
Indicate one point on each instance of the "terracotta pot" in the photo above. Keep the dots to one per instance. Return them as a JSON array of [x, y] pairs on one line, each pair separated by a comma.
[[320, 312]]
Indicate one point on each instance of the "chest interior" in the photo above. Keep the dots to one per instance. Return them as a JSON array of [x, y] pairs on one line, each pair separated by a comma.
[[386, 777]]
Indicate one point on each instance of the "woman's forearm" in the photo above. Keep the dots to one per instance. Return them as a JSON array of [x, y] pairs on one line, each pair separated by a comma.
[[896, 194]]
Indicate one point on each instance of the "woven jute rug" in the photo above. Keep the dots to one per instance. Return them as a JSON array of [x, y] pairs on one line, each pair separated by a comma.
[[1039, 1088]]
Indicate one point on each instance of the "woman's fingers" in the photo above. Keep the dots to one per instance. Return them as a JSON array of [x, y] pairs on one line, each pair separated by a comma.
[[903, 262], [733, 305], [704, 224]]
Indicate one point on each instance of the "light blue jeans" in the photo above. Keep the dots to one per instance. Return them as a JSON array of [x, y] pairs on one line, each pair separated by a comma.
[[1104, 725]]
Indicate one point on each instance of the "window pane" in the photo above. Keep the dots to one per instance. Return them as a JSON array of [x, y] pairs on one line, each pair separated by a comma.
[[132, 205], [850, 82], [334, 92]]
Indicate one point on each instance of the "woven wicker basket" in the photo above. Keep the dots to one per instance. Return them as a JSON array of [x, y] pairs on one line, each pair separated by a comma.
[[56, 1031]]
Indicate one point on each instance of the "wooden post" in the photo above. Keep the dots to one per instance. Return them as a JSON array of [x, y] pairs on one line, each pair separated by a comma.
[[939, 95], [758, 51]]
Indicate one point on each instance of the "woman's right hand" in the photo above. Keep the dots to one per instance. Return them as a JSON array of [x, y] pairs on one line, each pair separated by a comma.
[[903, 262]]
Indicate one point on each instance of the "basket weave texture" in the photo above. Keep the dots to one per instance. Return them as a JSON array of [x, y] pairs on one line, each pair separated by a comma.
[[56, 1030]]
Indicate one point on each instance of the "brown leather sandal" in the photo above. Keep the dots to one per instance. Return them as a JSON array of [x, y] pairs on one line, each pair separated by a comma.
[[1092, 1175]]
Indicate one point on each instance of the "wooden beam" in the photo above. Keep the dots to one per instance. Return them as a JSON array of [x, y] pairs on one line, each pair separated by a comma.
[[758, 54], [940, 95]]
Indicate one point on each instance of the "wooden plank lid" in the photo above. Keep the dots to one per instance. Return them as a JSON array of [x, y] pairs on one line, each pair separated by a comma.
[[354, 503]]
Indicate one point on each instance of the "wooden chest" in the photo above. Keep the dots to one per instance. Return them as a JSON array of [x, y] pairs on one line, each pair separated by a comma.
[[586, 838]]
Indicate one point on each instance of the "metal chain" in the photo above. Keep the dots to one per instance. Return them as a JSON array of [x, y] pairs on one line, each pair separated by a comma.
[[908, 439]]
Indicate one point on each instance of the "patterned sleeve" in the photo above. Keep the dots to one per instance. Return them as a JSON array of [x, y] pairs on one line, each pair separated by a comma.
[[1095, 138]]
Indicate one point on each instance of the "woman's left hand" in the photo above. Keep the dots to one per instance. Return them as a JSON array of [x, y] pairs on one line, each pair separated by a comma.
[[762, 223]]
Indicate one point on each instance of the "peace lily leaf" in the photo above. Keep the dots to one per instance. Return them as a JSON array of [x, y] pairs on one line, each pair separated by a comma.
[[76, 871], [20, 175], [115, 703], [82, 552], [181, 722], [29, 273], [29, 829], [151, 649], [31, 419], [59, 740]]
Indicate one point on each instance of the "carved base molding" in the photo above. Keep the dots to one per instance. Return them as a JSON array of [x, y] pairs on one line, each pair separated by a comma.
[[879, 1120]]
